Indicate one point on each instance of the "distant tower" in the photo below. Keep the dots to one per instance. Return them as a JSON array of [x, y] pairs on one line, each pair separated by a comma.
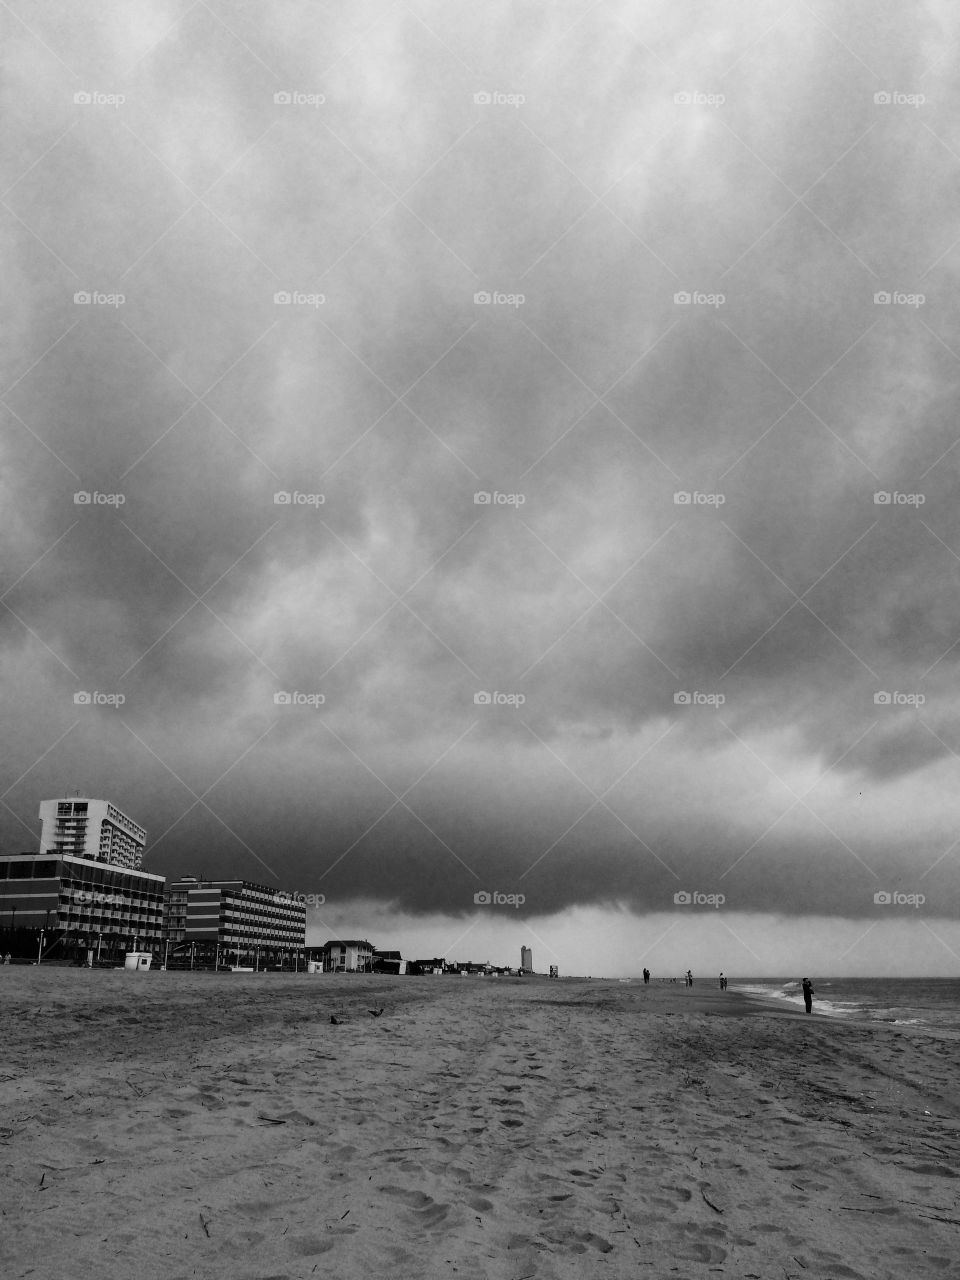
[[526, 960]]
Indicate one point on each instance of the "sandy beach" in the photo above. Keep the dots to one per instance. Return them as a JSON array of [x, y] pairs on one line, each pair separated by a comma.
[[197, 1125]]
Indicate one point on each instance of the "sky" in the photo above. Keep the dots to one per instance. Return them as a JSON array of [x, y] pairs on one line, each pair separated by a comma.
[[493, 469]]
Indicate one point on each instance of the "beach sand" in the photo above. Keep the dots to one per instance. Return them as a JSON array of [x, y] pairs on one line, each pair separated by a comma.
[[197, 1125]]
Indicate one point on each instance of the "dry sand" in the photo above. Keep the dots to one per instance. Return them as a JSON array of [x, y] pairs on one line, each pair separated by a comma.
[[197, 1125]]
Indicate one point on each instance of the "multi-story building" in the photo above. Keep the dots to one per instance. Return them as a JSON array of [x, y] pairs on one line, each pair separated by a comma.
[[93, 829], [208, 922], [526, 960], [64, 907]]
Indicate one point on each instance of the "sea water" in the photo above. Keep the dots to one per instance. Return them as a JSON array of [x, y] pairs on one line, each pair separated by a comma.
[[919, 1002]]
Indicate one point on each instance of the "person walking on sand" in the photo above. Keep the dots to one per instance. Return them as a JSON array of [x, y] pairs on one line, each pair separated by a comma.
[[723, 983], [689, 978], [807, 987]]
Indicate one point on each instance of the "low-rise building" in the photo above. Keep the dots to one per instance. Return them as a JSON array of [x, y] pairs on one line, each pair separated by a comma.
[[435, 966], [347, 955]]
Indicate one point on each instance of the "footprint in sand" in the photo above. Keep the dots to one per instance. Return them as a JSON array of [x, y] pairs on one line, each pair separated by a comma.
[[428, 1211]]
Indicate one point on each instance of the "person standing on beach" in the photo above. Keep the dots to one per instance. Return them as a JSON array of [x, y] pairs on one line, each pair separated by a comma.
[[689, 978], [723, 983], [807, 986], [646, 977]]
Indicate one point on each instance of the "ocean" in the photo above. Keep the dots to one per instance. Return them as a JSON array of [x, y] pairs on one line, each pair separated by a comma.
[[919, 1002]]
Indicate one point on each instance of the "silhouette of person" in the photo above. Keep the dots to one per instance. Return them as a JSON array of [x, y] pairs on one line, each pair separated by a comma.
[[723, 983], [646, 976], [689, 978], [807, 987]]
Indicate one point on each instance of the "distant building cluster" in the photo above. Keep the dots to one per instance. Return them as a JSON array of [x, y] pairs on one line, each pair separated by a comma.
[[84, 897]]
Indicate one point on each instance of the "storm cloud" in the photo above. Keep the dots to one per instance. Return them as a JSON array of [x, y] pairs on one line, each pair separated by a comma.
[[521, 448]]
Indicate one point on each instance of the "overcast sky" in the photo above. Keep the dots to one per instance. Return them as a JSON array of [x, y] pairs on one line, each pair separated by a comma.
[[674, 286]]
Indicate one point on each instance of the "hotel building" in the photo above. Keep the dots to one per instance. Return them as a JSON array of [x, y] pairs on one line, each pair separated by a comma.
[[85, 891], [207, 922], [94, 829], [77, 906]]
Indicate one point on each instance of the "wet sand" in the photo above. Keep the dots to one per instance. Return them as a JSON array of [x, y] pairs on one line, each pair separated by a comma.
[[196, 1125]]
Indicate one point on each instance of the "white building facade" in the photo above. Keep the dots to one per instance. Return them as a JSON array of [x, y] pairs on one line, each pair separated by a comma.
[[96, 830]]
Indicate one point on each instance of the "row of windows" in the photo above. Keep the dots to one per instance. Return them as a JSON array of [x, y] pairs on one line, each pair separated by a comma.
[[27, 870]]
